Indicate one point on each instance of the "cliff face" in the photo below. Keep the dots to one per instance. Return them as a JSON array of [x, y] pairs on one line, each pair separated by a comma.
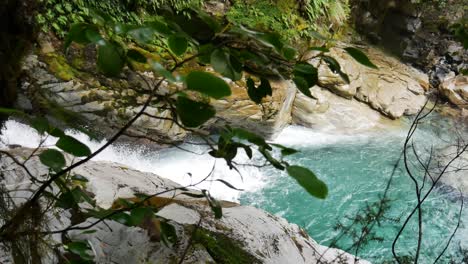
[[243, 235], [394, 90], [419, 33]]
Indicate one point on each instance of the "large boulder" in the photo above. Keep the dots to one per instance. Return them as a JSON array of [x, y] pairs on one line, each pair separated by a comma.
[[394, 89], [455, 89], [332, 113], [243, 235]]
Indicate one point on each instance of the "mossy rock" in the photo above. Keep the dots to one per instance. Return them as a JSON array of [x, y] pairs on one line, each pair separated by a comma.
[[222, 248], [59, 66]]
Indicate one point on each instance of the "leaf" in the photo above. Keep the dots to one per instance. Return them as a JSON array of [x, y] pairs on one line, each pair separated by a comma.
[[159, 27], [193, 195], [77, 34], [80, 248], [271, 39], [41, 124], [53, 159], [69, 199], [177, 44], [335, 67], [251, 137], [221, 62], [78, 177], [289, 53], [270, 159], [306, 71], [136, 56], [322, 49], [207, 84], [308, 181], [94, 37], [142, 35], [302, 85], [56, 132], [73, 146], [285, 151], [110, 59], [214, 205], [138, 214], [360, 57], [168, 233], [229, 185], [160, 70], [193, 113], [123, 218], [257, 94]]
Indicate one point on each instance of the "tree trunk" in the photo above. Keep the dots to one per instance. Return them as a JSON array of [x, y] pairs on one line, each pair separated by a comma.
[[16, 36]]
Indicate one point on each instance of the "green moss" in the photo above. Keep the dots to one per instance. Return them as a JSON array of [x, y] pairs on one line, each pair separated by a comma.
[[222, 248], [59, 66]]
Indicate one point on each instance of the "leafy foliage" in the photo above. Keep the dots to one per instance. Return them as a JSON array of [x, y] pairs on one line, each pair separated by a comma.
[[233, 51]]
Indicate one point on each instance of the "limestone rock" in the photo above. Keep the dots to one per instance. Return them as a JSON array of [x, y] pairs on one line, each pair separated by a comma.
[[395, 89], [456, 90], [266, 119], [332, 113], [243, 231]]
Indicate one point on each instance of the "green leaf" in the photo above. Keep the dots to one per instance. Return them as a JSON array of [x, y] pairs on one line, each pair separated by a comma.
[[78, 177], [229, 185], [160, 70], [285, 151], [110, 59], [77, 33], [177, 44], [41, 124], [204, 52], [136, 56], [214, 204], [160, 28], [94, 36], [139, 214], [56, 132], [142, 35], [302, 85], [53, 159], [360, 57], [335, 67], [168, 233], [257, 94], [123, 218], [207, 84], [322, 49], [73, 146], [270, 159], [308, 181], [272, 39], [289, 53], [69, 199], [193, 195], [193, 113], [80, 248], [222, 63], [306, 71], [249, 136]]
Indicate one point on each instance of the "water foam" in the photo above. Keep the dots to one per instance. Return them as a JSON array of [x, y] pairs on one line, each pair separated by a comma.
[[177, 165]]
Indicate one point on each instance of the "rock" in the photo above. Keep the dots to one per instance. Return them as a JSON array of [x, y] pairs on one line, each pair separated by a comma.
[[244, 234], [266, 119], [455, 89], [419, 32], [333, 113], [395, 89], [455, 175]]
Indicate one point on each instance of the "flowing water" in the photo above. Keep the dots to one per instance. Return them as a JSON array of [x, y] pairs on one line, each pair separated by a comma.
[[356, 168]]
